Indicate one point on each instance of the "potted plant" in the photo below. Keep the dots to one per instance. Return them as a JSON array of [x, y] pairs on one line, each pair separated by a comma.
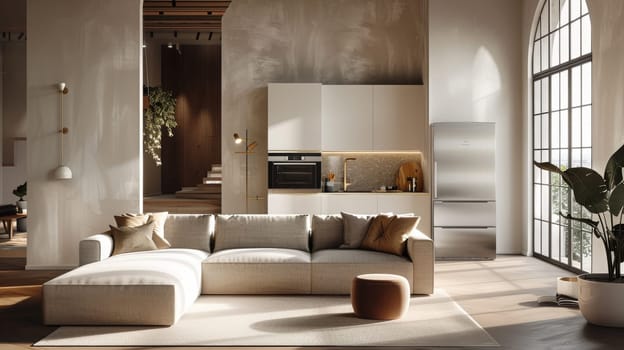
[[600, 295], [159, 114], [20, 192]]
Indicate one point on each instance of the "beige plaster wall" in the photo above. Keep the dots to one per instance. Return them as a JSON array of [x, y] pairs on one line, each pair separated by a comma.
[[14, 97], [326, 41], [95, 47], [475, 76]]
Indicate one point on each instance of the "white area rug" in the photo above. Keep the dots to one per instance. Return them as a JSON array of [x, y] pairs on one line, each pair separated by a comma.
[[216, 320]]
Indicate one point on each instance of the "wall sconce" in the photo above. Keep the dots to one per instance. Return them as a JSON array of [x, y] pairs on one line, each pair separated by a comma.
[[62, 172], [249, 147]]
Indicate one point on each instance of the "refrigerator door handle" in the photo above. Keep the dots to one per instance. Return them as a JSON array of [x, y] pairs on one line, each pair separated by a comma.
[[435, 179], [464, 201], [465, 227]]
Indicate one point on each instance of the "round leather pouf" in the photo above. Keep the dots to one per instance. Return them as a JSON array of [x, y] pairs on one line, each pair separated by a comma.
[[380, 296]]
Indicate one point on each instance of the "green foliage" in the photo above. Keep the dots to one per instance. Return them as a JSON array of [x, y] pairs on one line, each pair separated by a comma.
[[21, 191], [159, 115], [603, 197]]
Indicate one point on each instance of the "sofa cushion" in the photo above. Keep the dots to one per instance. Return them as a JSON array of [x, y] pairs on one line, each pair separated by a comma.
[[189, 231], [143, 288], [261, 231], [260, 255], [257, 271], [133, 239], [355, 228], [355, 256], [327, 232], [334, 269], [388, 233], [133, 220]]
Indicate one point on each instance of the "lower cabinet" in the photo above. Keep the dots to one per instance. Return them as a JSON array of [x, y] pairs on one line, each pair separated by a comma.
[[294, 203], [356, 203]]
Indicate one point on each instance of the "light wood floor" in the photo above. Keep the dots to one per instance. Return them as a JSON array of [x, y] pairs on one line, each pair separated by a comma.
[[500, 295]]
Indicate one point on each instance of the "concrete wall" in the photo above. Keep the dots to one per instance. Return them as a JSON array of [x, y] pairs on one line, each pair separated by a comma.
[[95, 47], [475, 76], [607, 18], [327, 41]]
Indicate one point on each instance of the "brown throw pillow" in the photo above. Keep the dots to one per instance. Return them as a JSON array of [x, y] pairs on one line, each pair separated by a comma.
[[388, 233], [134, 220], [133, 239]]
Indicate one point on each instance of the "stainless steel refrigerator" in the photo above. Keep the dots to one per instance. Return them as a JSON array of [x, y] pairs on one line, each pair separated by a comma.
[[464, 191]]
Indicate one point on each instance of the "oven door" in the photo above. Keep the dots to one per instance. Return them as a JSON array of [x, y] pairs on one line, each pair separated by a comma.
[[294, 175]]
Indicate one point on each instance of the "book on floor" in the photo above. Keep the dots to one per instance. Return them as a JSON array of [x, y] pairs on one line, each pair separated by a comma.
[[559, 300]]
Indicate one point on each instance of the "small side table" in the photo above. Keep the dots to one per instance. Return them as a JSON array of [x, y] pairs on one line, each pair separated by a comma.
[[7, 223]]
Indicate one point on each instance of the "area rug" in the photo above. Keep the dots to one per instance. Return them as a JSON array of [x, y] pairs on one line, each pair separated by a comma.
[[216, 320]]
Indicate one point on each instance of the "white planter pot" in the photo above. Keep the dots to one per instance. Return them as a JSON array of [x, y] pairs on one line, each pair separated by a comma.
[[22, 206], [568, 286], [601, 302]]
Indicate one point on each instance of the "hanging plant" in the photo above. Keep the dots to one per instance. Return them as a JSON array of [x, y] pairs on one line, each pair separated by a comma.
[[158, 116]]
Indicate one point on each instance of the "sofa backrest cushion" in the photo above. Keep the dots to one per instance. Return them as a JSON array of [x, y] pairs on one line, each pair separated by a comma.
[[327, 232], [261, 231], [189, 231]]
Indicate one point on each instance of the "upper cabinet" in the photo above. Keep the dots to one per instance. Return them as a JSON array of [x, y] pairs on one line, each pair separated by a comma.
[[294, 117], [347, 118], [399, 118]]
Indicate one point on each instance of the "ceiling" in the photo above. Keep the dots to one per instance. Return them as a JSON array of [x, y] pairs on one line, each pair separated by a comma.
[[175, 20], [187, 20]]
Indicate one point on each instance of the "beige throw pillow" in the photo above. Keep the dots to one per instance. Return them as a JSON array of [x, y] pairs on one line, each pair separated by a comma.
[[133, 220], [388, 233], [133, 239], [355, 228]]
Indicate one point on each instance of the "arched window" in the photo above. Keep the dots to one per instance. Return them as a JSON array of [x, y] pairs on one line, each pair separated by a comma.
[[561, 128]]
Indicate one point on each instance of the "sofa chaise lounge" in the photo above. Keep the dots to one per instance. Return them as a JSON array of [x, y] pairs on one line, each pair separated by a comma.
[[221, 254]]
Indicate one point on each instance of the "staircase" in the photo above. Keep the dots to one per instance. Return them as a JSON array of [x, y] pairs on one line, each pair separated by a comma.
[[210, 188]]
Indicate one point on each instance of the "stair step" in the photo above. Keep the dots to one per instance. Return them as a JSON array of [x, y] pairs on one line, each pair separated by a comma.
[[216, 168], [211, 181], [197, 195], [211, 175]]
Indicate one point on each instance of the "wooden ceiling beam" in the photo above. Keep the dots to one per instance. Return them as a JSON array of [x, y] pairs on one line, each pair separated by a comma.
[[182, 28]]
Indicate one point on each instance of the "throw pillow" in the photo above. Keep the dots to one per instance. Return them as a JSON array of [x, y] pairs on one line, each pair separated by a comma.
[[354, 229], [388, 233], [159, 220], [134, 220], [133, 239]]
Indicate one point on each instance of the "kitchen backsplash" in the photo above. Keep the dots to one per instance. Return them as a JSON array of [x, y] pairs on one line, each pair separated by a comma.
[[368, 171]]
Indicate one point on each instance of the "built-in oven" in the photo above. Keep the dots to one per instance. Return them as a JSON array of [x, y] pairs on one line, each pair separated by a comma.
[[294, 170]]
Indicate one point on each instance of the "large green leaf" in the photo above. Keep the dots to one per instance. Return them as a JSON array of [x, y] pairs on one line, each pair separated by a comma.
[[589, 188], [548, 167], [613, 170], [616, 200], [590, 222]]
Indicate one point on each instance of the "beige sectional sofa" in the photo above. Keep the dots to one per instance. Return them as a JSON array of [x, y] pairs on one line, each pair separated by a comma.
[[221, 254]]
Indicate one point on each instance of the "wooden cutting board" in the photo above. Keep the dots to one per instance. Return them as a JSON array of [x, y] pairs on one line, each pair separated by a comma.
[[410, 169]]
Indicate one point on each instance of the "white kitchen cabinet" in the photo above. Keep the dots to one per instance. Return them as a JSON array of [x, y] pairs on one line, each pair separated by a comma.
[[400, 203], [294, 203], [399, 118], [294, 117], [355, 203], [347, 118]]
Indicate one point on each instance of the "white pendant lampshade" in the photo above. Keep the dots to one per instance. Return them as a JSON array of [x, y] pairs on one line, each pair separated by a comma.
[[62, 173]]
